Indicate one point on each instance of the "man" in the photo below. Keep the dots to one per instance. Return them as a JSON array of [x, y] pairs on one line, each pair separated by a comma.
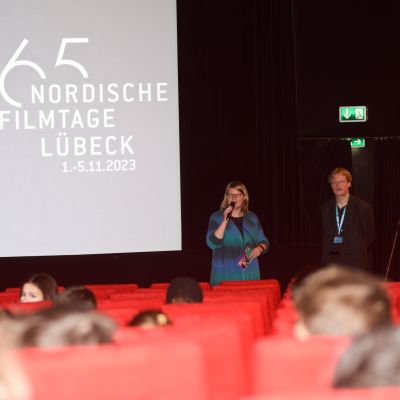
[[340, 301], [348, 225]]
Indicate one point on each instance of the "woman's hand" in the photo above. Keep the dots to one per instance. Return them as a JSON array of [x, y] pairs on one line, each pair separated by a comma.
[[220, 231], [257, 251], [227, 210]]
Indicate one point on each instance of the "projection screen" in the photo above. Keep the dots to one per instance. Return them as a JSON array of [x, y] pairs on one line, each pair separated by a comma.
[[89, 135]]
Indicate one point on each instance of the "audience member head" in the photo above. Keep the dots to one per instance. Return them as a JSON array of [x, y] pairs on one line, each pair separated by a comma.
[[184, 290], [372, 360], [14, 384], [5, 313], [340, 301], [302, 275], [60, 326], [78, 296], [149, 319], [38, 288]]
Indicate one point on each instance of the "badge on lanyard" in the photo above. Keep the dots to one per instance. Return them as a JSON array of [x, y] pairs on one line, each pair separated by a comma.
[[339, 238]]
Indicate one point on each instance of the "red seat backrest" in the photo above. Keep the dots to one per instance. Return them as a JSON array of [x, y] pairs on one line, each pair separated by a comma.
[[164, 285], [224, 345], [157, 367], [280, 363], [262, 296], [256, 283], [381, 393]]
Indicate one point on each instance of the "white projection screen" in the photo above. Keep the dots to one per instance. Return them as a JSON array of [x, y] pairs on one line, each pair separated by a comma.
[[89, 135]]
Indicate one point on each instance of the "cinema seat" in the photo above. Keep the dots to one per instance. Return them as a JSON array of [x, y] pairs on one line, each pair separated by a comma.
[[261, 296], [256, 283], [167, 368], [164, 285], [224, 345], [381, 393], [280, 363]]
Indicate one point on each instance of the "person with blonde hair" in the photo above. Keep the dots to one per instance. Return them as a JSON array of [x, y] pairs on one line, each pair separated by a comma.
[[348, 225], [236, 238]]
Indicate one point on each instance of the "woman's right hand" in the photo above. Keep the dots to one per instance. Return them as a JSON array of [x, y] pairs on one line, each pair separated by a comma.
[[220, 231], [227, 210]]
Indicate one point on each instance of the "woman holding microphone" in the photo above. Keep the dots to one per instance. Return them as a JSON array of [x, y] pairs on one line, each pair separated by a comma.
[[236, 238]]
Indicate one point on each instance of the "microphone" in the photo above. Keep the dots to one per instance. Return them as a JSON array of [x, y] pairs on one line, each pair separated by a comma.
[[229, 215]]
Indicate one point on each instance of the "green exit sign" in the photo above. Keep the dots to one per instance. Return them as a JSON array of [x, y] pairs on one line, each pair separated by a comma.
[[353, 114], [357, 142]]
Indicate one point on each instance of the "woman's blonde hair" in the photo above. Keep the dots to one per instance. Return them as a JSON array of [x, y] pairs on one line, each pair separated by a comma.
[[240, 188]]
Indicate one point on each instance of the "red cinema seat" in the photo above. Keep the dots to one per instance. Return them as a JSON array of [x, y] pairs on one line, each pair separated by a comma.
[[29, 307], [166, 368], [224, 346], [284, 322], [281, 363], [139, 294], [381, 393], [273, 283], [9, 298], [262, 296], [139, 304], [121, 315], [164, 285], [241, 315], [113, 286]]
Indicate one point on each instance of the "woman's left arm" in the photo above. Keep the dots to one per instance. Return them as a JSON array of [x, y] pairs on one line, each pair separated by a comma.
[[262, 243]]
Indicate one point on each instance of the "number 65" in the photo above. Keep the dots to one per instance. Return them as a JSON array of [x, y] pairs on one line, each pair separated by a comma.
[[14, 62]]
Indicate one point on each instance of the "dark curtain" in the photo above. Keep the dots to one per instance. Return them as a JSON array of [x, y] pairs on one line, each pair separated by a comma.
[[387, 205], [236, 74], [237, 81]]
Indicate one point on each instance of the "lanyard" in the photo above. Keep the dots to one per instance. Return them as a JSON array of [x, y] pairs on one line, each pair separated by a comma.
[[339, 224]]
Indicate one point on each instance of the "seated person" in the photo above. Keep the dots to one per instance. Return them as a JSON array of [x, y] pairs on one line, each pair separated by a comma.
[[372, 360], [340, 301], [14, 384], [184, 290], [39, 287], [79, 296], [58, 326], [149, 319]]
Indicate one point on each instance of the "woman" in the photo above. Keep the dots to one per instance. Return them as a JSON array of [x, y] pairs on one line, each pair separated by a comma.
[[39, 288], [236, 238]]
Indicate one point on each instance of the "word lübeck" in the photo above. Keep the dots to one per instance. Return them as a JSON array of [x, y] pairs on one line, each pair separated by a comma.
[[64, 145]]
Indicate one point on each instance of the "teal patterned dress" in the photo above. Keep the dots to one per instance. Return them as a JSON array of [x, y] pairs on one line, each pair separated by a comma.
[[228, 251]]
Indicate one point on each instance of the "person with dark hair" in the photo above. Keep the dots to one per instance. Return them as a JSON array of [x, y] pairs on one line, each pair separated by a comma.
[[372, 360], [39, 287], [59, 326], [348, 225], [340, 301], [184, 290], [79, 296], [235, 237], [149, 319]]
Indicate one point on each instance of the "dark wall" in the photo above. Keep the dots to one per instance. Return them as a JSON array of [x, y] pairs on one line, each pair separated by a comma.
[[347, 55]]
